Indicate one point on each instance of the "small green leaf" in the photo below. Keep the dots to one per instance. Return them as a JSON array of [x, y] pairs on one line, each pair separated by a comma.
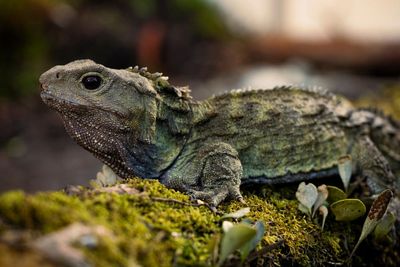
[[213, 247], [307, 195], [348, 209], [345, 170], [384, 225], [335, 194], [235, 237], [375, 214], [322, 196], [323, 210], [303, 209], [252, 244], [226, 225], [237, 214]]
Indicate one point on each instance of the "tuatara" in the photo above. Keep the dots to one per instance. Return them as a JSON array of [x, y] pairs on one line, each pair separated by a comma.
[[140, 125]]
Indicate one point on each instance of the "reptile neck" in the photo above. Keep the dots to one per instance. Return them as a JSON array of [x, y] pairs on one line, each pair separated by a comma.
[[172, 129]]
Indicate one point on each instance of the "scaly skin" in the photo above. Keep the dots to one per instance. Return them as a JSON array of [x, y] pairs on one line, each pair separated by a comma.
[[140, 125]]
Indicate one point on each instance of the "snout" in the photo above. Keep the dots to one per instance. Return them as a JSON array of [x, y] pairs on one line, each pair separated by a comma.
[[42, 81], [47, 80], [46, 77], [50, 76]]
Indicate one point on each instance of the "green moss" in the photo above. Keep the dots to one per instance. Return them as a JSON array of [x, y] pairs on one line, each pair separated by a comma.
[[159, 233], [44, 211], [302, 239]]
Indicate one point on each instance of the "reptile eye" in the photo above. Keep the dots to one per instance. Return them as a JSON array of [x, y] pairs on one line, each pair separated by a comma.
[[92, 82]]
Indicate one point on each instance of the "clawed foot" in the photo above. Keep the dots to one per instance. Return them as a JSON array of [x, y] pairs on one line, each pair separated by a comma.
[[213, 197]]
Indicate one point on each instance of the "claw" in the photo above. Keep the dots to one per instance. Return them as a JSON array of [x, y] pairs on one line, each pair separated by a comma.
[[241, 200], [214, 209], [211, 197], [198, 201]]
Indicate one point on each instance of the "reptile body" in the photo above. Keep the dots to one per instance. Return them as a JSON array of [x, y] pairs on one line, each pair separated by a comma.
[[140, 125]]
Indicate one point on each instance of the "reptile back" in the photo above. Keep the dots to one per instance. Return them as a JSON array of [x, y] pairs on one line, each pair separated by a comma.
[[278, 133]]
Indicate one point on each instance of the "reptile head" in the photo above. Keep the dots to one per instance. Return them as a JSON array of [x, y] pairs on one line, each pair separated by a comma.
[[104, 110]]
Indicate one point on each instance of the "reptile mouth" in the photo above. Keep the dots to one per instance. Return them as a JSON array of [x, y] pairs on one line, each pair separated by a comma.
[[60, 104], [49, 98], [43, 87]]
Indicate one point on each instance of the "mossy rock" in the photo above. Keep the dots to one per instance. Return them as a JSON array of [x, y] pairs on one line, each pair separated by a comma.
[[154, 228]]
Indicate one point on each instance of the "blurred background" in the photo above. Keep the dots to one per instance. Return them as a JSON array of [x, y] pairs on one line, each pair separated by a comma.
[[350, 47]]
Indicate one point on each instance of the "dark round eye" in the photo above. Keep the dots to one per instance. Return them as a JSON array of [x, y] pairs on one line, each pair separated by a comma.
[[92, 82]]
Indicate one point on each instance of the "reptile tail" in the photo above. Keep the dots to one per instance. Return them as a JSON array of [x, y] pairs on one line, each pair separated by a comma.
[[384, 132]]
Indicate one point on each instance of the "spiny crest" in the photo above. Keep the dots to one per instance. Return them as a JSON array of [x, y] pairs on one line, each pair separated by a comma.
[[151, 76], [161, 82], [312, 89]]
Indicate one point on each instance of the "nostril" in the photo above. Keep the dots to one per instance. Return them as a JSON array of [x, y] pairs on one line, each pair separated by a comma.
[[57, 75]]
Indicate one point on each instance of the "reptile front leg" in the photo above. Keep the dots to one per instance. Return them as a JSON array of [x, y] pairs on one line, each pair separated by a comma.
[[213, 174]]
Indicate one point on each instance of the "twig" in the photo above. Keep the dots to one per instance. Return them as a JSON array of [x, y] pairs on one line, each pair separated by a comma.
[[172, 200], [264, 250]]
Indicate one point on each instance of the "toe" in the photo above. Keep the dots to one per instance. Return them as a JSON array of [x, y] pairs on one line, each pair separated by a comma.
[[241, 200], [234, 193], [211, 197]]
